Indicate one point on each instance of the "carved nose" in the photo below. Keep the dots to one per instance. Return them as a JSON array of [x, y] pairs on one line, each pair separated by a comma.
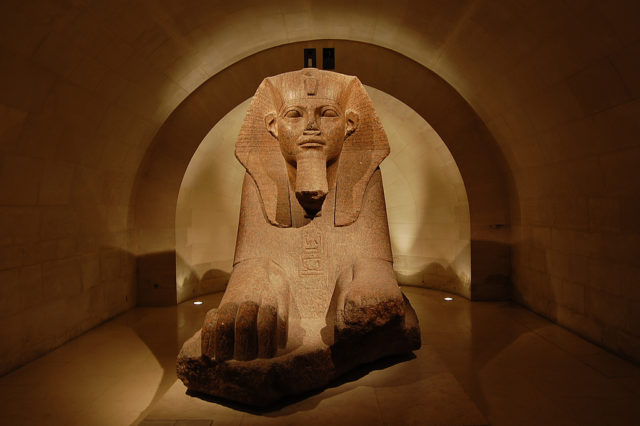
[[312, 126]]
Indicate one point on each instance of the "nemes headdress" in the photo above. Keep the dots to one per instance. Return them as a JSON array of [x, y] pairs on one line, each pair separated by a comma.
[[362, 152]]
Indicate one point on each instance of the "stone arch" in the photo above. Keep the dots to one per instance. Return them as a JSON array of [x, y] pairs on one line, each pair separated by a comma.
[[484, 171]]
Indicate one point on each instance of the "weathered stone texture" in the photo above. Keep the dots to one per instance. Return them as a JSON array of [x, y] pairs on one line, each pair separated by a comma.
[[312, 293]]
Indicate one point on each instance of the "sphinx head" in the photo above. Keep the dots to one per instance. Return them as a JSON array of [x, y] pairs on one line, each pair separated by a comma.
[[309, 131], [311, 123]]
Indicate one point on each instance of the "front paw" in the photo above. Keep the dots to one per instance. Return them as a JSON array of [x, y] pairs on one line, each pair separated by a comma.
[[241, 331], [218, 331], [252, 320], [367, 307], [370, 298]]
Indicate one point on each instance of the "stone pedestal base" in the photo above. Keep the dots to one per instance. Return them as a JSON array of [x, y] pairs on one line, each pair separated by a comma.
[[311, 363]]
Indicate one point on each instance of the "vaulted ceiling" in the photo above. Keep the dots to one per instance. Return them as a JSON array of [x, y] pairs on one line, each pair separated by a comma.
[[85, 86]]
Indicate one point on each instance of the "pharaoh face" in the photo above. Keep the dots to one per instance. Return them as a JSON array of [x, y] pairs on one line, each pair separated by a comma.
[[311, 131], [317, 148], [311, 126]]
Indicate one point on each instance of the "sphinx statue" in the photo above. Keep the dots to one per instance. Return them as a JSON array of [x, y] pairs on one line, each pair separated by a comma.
[[312, 293]]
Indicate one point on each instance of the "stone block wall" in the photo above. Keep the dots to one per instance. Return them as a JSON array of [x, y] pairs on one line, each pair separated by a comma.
[[552, 86]]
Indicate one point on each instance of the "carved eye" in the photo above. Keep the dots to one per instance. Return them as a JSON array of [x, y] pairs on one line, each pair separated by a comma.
[[329, 112], [292, 113]]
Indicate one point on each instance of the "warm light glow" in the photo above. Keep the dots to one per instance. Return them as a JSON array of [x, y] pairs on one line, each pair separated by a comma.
[[208, 209], [448, 299], [426, 202], [198, 302]]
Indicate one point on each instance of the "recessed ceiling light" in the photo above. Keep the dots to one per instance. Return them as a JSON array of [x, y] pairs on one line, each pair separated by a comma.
[[448, 299], [198, 302]]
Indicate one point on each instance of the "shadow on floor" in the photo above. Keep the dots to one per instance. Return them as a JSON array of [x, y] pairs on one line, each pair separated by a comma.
[[285, 405], [177, 324]]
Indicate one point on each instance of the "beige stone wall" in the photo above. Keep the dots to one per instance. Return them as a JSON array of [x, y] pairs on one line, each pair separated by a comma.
[[85, 86], [426, 204], [172, 149], [67, 163], [208, 209]]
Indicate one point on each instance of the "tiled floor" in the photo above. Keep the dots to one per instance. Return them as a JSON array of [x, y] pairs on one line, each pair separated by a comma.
[[506, 365]]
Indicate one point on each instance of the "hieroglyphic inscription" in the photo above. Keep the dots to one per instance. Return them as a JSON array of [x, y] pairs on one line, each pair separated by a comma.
[[311, 259], [315, 294]]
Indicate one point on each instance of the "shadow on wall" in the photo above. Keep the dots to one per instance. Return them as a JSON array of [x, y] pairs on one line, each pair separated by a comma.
[[156, 273], [435, 275], [487, 257], [192, 284], [155, 270], [440, 274]]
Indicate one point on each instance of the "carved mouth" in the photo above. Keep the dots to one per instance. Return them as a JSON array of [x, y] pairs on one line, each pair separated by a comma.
[[311, 142]]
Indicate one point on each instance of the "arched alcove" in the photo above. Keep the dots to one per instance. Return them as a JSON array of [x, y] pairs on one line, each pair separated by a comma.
[[471, 145], [87, 86], [427, 205]]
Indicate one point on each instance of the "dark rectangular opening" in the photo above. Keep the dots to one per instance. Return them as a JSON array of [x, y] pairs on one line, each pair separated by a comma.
[[328, 58], [309, 58]]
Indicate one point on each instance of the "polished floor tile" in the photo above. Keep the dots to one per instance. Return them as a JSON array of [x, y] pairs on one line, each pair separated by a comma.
[[481, 362], [410, 389]]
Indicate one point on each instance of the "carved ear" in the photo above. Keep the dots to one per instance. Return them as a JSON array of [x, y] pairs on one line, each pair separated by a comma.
[[362, 153], [260, 154], [270, 122], [352, 122]]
